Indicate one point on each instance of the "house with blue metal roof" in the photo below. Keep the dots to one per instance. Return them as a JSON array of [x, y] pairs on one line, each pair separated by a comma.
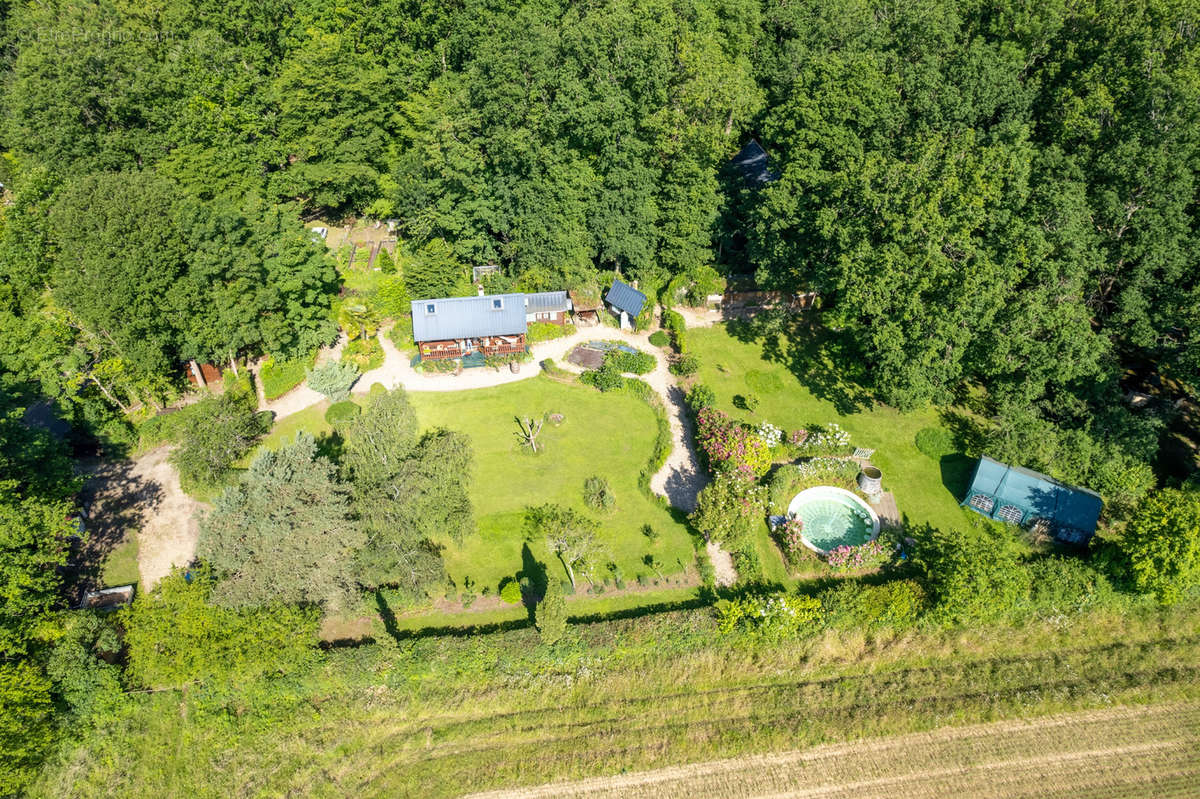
[[456, 327], [625, 301], [1031, 499]]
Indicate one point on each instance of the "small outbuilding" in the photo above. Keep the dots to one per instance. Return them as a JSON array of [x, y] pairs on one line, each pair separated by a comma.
[[547, 306], [626, 302], [753, 165], [1024, 497], [586, 305]]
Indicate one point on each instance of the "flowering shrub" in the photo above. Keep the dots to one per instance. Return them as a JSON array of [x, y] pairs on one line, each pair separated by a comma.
[[798, 437], [730, 445], [771, 435], [728, 507], [791, 533], [772, 617], [790, 479], [830, 438], [870, 555]]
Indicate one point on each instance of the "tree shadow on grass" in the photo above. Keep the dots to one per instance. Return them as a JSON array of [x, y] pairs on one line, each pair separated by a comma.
[[956, 474], [826, 362], [969, 434], [534, 579]]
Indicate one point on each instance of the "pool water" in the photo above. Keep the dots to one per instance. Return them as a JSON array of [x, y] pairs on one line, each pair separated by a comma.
[[833, 518]]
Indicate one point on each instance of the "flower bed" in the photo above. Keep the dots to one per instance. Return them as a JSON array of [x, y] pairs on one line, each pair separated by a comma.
[[729, 444], [870, 555]]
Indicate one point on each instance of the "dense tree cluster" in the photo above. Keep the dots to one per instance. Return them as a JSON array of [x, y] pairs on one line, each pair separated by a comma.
[[300, 528], [996, 194]]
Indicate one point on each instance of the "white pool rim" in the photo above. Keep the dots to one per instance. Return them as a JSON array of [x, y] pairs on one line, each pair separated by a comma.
[[829, 492]]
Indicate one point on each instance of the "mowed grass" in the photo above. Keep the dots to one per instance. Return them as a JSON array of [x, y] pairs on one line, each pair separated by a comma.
[[1112, 753], [798, 386], [607, 435], [121, 564]]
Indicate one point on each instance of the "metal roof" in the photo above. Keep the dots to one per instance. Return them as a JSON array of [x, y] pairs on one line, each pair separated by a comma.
[[1036, 494], [625, 298], [545, 301], [752, 162], [468, 317]]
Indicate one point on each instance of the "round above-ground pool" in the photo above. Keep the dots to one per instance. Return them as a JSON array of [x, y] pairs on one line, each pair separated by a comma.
[[833, 517]]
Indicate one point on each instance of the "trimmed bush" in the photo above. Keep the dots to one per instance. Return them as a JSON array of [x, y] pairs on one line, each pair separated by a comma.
[[280, 377], [637, 363], [341, 413], [659, 338], [333, 379], [606, 378], [685, 366], [510, 591], [935, 442], [672, 321]]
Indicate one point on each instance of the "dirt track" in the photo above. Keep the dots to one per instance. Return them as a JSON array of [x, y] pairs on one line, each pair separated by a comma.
[[1147, 751], [144, 497]]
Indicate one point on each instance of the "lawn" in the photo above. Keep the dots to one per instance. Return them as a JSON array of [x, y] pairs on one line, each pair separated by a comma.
[[610, 435], [121, 565], [797, 386]]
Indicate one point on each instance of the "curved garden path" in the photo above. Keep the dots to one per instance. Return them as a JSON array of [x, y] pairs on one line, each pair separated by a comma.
[[679, 480]]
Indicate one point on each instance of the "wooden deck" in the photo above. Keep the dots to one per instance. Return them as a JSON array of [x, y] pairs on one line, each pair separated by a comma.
[[889, 514]]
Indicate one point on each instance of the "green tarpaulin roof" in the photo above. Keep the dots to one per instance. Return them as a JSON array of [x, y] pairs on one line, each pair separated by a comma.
[[1035, 494]]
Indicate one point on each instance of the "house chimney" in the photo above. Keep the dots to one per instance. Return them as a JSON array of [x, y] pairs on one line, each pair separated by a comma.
[[480, 290]]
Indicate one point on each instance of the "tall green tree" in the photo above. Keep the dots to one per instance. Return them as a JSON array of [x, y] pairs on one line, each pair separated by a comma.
[[1162, 543], [285, 533], [408, 492]]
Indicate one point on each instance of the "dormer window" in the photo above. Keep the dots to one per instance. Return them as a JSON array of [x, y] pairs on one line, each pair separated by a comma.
[[497, 304], [430, 309]]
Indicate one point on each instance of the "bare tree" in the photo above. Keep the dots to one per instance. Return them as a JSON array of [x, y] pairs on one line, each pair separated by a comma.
[[529, 431]]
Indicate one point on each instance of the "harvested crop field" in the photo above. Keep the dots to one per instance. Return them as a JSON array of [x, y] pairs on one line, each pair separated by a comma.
[[1116, 752]]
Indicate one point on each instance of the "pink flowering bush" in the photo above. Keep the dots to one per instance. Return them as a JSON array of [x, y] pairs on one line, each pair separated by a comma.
[[728, 508], [791, 541], [792, 535], [730, 445], [870, 555]]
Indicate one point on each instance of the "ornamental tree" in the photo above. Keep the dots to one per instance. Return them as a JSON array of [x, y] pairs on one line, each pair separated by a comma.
[[284, 533]]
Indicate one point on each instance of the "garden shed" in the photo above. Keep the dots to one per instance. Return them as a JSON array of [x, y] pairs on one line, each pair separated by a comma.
[[1024, 497], [625, 301]]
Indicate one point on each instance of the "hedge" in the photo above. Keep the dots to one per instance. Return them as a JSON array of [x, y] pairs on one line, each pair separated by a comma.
[[280, 377]]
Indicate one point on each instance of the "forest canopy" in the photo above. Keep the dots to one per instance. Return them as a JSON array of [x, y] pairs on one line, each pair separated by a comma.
[[1000, 195]]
